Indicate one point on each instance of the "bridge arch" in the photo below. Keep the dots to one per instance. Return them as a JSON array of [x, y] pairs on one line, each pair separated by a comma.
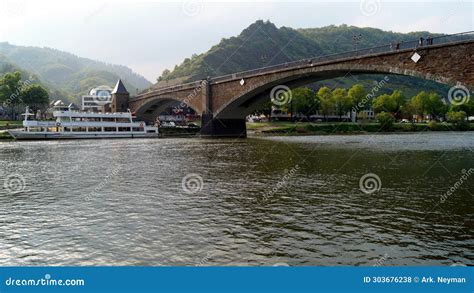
[[151, 108], [248, 100]]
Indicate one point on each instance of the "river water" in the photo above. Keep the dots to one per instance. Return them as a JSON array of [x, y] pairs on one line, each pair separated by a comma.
[[314, 200]]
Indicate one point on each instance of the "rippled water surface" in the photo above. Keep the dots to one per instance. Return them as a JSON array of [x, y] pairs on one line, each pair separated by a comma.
[[264, 201]]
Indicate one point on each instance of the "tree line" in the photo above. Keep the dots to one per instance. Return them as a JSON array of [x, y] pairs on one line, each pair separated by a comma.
[[16, 93], [425, 105]]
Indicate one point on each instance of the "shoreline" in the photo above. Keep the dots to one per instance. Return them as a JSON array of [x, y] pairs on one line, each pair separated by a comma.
[[343, 128], [309, 129]]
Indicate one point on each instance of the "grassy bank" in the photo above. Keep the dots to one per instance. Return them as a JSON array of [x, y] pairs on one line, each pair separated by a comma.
[[6, 124], [307, 128], [5, 136]]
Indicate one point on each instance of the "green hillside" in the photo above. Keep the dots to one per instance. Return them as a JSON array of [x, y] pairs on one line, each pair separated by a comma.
[[66, 73], [263, 44]]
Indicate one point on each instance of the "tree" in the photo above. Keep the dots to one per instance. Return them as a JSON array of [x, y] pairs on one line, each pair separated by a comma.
[[325, 101], [458, 118], [342, 101], [420, 103], [399, 100], [357, 93], [408, 110], [384, 103], [165, 73], [304, 101], [264, 108], [35, 96], [436, 107], [10, 87], [428, 103], [467, 107], [386, 120]]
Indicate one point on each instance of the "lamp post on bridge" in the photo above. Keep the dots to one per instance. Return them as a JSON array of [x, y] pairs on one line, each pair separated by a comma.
[[356, 39]]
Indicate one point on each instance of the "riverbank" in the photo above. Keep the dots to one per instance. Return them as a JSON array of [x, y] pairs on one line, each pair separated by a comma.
[[297, 128], [6, 124], [4, 135], [322, 128]]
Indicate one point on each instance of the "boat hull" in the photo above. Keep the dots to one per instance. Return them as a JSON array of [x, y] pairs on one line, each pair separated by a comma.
[[24, 135]]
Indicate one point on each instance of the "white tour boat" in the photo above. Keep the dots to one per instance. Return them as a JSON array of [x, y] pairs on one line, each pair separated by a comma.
[[74, 124]]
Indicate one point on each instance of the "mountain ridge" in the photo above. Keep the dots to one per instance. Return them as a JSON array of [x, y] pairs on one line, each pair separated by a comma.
[[68, 73], [263, 44]]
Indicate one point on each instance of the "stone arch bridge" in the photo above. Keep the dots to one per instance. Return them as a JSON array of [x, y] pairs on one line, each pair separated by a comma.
[[225, 101]]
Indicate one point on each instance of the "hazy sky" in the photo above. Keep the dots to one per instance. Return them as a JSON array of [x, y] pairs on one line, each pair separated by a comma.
[[149, 36]]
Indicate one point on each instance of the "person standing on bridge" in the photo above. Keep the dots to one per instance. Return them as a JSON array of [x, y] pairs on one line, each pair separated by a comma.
[[397, 46], [420, 43], [429, 40]]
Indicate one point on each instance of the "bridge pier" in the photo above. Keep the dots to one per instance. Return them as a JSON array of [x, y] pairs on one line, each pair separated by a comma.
[[216, 127]]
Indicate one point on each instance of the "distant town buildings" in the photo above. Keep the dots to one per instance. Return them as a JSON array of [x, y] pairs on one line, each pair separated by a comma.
[[97, 99]]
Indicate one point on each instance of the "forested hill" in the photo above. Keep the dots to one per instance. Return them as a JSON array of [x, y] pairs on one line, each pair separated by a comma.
[[67, 73], [263, 44]]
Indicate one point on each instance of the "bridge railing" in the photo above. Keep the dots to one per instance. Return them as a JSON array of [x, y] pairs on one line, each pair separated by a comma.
[[170, 88], [386, 48]]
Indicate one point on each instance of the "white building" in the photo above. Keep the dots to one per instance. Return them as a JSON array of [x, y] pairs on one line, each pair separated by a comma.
[[96, 100]]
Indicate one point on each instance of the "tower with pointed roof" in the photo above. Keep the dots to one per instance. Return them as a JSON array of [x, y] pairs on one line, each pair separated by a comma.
[[120, 97]]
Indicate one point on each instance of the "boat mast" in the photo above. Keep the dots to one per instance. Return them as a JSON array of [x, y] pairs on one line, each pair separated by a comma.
[[27, 112]]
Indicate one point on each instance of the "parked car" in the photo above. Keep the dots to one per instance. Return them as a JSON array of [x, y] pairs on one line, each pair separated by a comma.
[[193, 125], [168, 124], [405, 121]]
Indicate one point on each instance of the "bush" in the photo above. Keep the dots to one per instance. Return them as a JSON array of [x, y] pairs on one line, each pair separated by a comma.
[[386, 120], [458, 119], [433, 125]]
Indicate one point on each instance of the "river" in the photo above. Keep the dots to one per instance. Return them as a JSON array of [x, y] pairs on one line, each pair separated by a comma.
[[312, 200]]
